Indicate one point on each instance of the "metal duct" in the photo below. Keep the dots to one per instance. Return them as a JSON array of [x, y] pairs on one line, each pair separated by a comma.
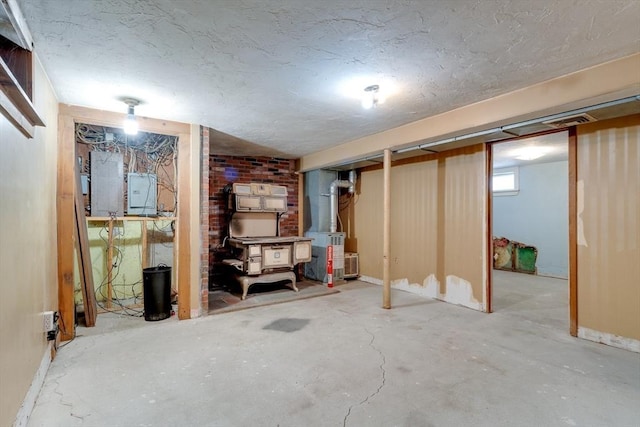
[[333, 198]]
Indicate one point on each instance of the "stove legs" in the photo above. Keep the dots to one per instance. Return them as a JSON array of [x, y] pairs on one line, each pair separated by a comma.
[[247, 281]]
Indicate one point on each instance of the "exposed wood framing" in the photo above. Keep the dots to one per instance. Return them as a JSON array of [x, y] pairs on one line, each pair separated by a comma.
[[84, 256], [144, 245], [66, 226], [68, 116], [573, 230], [183, 229], [488, 297], [109, 263]]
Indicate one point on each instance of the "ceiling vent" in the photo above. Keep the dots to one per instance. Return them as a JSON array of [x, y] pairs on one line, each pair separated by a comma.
[[574, 120]]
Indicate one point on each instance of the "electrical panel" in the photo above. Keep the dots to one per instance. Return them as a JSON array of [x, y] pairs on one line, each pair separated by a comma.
[[107, 183], [142, 191]]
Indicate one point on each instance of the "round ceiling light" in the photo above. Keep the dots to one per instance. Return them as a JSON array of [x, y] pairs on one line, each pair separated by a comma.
[[371, 97]]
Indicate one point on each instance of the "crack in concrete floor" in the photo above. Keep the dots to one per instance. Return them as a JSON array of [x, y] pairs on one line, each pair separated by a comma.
[[382, 382]]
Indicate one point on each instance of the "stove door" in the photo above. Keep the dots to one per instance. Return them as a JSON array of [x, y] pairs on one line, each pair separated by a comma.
[[276, 256]]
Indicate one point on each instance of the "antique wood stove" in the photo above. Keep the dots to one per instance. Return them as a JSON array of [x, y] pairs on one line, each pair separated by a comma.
[[262, 255]]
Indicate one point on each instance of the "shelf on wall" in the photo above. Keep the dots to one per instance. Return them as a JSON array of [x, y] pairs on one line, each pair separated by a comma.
[[15, 104]]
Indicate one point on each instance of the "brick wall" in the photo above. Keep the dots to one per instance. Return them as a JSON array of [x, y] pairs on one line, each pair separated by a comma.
[[225, 170]]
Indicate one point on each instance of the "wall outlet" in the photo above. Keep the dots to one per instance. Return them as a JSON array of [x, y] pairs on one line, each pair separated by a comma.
[[49, 321]]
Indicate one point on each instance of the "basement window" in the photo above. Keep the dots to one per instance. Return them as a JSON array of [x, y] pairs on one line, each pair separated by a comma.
[[505, 182]]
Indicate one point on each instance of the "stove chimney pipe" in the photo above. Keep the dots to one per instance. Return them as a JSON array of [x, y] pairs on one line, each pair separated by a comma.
[[333, 197]]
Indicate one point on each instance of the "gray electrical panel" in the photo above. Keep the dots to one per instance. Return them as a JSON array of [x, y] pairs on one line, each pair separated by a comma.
[[107, 183], [142, 189]]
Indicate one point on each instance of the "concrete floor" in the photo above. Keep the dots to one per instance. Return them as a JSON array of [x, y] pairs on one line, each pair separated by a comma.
[[340, 360]]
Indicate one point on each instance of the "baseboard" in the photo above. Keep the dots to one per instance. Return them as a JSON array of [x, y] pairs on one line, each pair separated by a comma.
[[371, 280], [29, 401], [459, 291], [609, 339]]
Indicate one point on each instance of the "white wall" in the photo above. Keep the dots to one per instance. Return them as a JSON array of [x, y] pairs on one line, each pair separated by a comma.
[[28, 254], [538, 215]]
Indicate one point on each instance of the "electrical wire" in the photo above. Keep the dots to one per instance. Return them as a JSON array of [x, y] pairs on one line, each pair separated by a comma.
[[115, 299], [146, 153]]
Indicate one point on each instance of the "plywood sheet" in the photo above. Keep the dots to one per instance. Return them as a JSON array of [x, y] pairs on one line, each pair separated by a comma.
[[608, 226], [437, 221], [84, 257]]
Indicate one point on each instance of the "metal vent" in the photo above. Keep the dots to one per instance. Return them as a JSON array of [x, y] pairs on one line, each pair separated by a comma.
[[351, 265], [574, 120]]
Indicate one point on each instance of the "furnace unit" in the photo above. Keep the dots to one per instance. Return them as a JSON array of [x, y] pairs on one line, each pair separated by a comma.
[[316, 269], [322, 191]]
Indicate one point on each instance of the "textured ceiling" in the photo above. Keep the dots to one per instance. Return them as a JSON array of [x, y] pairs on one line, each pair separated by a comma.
[[273, 73]]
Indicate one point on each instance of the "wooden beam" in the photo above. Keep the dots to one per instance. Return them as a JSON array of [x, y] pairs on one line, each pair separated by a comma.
[[15, 117], [144, 244], [488, 297], [573, 231], [386, 231], [66, 226], [129, 218], [111, 119], [84, 256], [110, 262], [183, 228]]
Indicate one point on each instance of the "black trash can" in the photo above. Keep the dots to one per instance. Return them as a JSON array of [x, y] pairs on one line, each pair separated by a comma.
[[156, 282]]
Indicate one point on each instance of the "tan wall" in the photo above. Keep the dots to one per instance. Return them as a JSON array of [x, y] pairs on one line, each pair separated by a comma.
[[28, 268], [609, 227], [437, 225]]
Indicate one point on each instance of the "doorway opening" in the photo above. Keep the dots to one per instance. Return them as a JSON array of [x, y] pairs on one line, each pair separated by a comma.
[[530, 228]]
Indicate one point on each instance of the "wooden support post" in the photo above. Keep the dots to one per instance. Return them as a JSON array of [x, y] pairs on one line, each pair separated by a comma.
[[300, 204], [66, 226], [110, 263], [573, 231], [386, 241], [181, 249], [144, 244], [488, 287]]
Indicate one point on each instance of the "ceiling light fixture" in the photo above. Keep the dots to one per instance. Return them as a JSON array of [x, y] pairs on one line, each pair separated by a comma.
[[130, 124], [371, 97]]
